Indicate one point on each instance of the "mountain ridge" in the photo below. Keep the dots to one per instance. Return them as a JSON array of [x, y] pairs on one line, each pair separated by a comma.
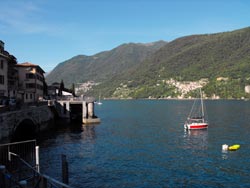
[[193, 57], [103, 64]]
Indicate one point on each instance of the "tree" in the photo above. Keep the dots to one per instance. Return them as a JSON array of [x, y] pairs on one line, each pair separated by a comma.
[[61, 88], [73, 89]]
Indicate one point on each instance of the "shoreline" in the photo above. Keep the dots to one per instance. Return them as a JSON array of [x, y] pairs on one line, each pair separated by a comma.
[[174, 99]]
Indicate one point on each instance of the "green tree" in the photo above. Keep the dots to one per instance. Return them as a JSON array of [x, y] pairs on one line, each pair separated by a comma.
[[61, 88], [73, 89]]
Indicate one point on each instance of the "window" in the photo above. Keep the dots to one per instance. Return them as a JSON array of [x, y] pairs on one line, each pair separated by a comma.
[[1, 64], [31, 96], [40, 87], [30, 76], [26, 95], [1, 79], [40, 78], [28, 86]]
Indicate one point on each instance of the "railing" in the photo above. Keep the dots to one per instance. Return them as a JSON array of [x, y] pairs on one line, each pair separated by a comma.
[[70, 98], [37, 180], [25, 149], [21, 106], [16, 172], [12, 170]]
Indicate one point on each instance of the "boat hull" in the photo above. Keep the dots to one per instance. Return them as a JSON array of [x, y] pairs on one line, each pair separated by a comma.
[[234, 147], [195, 126]]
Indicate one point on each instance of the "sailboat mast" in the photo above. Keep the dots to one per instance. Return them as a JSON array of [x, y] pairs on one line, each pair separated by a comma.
[[202, 108]]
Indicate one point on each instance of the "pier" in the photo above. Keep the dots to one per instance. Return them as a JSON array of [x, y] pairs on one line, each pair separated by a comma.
[[76, 108]]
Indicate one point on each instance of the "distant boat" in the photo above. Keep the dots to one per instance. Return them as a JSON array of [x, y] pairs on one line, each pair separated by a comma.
[[99, 101], [234, 147], [196, 118]]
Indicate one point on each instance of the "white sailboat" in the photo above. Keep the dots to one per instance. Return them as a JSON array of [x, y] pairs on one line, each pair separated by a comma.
[[196, 118], [99, 101]]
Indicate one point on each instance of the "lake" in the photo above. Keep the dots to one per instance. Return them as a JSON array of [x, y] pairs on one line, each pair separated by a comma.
[[142, 143]]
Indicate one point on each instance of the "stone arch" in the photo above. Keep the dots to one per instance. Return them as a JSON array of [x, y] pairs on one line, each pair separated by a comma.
[[26, 129]]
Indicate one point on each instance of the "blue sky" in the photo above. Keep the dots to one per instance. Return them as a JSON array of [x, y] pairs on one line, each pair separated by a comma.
[[48, 32]]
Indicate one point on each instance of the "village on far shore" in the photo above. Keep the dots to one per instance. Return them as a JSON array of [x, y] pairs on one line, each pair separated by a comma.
[[25, 83]]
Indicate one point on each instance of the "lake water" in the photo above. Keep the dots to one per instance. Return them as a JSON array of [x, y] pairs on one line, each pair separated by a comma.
[[142, 143]]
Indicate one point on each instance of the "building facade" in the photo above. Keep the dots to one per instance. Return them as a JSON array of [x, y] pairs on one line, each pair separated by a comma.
[[31, 82], [8, 73], [3, 71]]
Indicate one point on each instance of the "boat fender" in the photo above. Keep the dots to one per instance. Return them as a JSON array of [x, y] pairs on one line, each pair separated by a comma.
[[224, 147]]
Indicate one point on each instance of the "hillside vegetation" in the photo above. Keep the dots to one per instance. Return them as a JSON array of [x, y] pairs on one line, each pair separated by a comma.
[[104, 65], [189, 58]]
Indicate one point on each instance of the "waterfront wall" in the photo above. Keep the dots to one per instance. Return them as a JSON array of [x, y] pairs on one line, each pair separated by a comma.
[[64, 109], [40, 117]]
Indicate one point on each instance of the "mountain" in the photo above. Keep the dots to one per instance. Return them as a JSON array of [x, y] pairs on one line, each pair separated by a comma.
[[203, 56], [142, 71], [104, 65], [189, 58]]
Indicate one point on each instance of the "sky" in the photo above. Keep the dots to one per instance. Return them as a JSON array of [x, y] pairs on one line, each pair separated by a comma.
[[48, 32]]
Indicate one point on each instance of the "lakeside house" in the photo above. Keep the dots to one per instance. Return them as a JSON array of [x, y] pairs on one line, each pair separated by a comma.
[[30, 82], [24, 81], [8, 73]]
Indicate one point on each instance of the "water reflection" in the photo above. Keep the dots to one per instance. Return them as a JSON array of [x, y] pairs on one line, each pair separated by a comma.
[[224, 154], [196, 139], [88, 132]]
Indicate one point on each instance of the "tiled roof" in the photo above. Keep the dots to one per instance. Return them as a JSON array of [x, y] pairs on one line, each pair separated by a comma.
[[28, 64]]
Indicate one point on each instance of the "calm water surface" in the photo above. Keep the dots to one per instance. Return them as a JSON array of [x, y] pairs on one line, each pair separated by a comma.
[[142, 143]]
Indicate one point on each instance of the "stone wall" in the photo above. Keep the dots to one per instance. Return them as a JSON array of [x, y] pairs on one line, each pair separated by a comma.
[[41, 116]]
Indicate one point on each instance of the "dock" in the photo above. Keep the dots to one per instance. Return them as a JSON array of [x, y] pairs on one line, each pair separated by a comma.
[[75, 108]]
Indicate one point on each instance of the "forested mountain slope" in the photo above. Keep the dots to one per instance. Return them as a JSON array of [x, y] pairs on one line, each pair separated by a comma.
[[140, 70], [189, 58], [104, 65]]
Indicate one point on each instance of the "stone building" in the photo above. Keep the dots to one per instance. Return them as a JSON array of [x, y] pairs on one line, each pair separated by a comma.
[[8, 73], [31, 82]]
